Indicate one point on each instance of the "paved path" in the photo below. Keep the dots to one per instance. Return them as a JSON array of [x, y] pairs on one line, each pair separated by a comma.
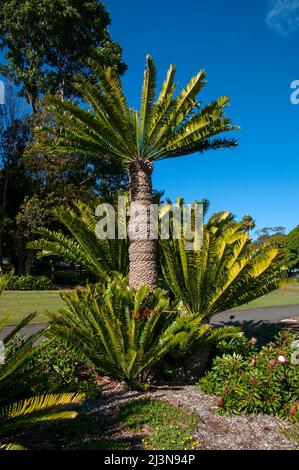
[[26, 331], [269, 314]]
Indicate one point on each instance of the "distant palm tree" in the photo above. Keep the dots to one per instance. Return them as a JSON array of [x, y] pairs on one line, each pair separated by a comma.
[[166, 127]]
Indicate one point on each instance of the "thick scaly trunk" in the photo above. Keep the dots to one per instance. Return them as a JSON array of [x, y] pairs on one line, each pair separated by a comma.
[[142, 249]]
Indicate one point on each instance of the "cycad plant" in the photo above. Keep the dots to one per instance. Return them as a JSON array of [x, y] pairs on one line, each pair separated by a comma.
[[225, 272], [165, 127], [14, 415], [99, 257], [121, 331]]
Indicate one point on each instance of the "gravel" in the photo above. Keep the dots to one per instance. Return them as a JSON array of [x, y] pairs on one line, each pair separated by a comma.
[[215, 432]]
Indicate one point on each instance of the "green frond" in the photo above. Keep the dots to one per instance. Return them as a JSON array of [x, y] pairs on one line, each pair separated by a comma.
[[165, 127], [4, 280], [37, 409], [226, 272], [11, 446], [147, 100], [119, 330], [98, 257], [18, 327]]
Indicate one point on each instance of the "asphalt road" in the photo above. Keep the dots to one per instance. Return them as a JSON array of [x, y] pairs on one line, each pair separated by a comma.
[[268, 314]]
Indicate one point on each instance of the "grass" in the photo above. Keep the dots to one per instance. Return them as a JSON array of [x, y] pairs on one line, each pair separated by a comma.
[[286, 295], [163, 426], [19, 304], [293, 434], [167, 427]]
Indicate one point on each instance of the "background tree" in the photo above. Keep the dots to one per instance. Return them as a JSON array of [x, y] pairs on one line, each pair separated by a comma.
[[275, 237], [292, 245], [47, 43], [15, 180]]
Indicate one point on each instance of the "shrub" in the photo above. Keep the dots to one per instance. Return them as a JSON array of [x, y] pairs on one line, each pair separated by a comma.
[[28, 282], [60, 369], [256, 381], [55, 369]]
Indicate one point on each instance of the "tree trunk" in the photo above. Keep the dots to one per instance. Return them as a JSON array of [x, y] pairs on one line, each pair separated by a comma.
[[142, 249], [28, 261]]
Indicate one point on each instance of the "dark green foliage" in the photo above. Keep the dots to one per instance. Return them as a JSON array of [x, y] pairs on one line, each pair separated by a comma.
[[58, 369], [292, 245], [103, 127], [55, 369], [48, 42], [28, 282], [255, 381]]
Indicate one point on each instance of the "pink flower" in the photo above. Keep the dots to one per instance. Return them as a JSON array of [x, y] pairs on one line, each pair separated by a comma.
[[282, 359], [253, 362], [253, 340], [272, 363], [292, 410], [225, 389]]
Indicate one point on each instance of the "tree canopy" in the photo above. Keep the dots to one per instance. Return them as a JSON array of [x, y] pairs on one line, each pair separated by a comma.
[[292, 244], [47, 42]]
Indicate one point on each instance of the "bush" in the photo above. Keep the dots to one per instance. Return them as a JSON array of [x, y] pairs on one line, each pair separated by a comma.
[[28, 282], [256, 381], [55, 369], [59, 369]]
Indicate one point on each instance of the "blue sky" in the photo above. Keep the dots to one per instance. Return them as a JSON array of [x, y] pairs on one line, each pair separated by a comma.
[[250, 52]]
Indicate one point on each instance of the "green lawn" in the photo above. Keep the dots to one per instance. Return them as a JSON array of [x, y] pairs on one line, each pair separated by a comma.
[[19, 304], [287, 295]]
